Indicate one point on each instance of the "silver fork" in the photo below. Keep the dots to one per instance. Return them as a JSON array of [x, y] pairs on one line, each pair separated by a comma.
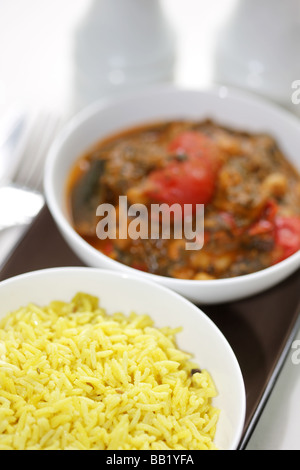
[[22, 198]]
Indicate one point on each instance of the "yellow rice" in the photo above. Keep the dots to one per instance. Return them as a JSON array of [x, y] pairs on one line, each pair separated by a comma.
[[74, 377]]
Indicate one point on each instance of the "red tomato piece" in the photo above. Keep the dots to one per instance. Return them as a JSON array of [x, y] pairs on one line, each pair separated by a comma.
[[190, 180], [266, 223], [287, 236], [108, 248], [139, 266], [191, 143], [187, 182]]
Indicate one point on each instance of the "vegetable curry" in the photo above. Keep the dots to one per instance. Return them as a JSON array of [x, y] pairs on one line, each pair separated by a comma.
[[250, 192]]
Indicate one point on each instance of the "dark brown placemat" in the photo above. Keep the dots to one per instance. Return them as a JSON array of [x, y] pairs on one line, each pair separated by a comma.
[[258, 329]]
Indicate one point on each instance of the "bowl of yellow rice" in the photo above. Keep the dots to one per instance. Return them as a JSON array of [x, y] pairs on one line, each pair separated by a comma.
[[94, 359]]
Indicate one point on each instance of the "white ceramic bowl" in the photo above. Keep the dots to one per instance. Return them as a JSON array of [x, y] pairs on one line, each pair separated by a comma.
[[119, 292], [227, 107]]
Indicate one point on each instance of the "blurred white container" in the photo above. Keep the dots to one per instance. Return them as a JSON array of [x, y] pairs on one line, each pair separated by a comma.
[[258, 48], [121, 45]]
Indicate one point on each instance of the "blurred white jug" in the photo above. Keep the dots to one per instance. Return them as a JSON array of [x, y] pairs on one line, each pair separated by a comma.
[[259, 48], [121, 45]]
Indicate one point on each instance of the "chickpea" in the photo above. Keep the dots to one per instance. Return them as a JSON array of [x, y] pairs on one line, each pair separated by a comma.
[[201, 260], [136, 195], [221, 263], [202, 276], [183, 273], [228, 178], [229, 144], [275, 185], [175, 249], [121, 243]]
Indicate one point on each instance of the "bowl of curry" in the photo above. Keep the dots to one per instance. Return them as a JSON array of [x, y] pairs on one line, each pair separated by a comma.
[[122, 165]]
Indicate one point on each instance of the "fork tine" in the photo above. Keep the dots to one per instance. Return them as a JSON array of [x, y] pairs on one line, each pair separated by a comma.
[[35, 179], [26, 162], [30, 173], [25, 193]]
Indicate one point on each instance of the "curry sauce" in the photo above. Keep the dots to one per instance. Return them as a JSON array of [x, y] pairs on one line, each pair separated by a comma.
[[250, 191]]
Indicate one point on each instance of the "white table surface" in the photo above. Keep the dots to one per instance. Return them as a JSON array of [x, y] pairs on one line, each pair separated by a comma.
[[35, 63]]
